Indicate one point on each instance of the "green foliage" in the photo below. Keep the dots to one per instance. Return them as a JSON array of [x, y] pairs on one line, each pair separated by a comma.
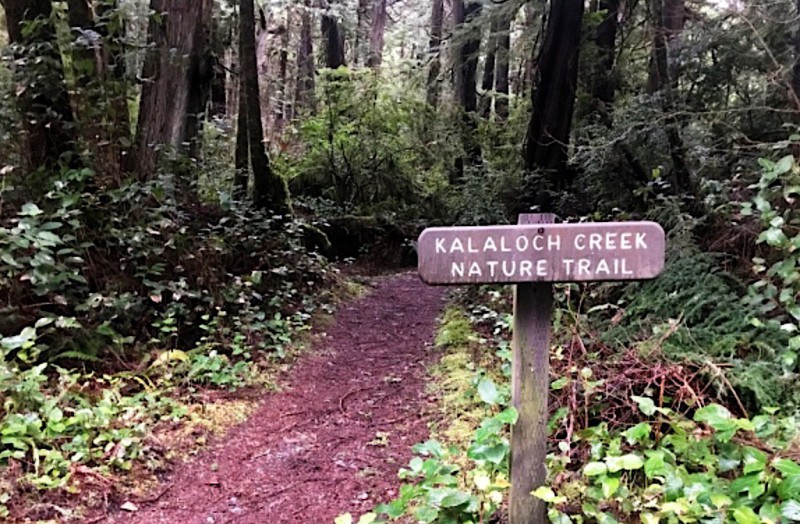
[[714, 468], [776, 294], [366, 151], [694, 312], [51, 423]]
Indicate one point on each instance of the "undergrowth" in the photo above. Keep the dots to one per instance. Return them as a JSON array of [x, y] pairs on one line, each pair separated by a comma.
[[121, 306]]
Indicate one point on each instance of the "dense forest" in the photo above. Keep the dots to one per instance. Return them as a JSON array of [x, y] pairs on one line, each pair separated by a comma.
[[189, 188]]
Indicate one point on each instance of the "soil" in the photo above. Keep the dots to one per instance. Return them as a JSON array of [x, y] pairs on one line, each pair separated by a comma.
[[333, 440]]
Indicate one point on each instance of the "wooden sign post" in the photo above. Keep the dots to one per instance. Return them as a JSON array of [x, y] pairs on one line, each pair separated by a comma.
[[533, 255]]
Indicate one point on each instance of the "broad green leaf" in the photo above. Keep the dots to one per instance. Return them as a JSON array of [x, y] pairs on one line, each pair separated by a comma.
[[637, 433], [30, 210], [786, 466], [343, 519], [754, 460], [488, 392], [789, 488], [368, 518], [593, 469], [646, 404], [610, 486], [455, 498], [427, 514], [745, 515], [628, 462], [790, 510]]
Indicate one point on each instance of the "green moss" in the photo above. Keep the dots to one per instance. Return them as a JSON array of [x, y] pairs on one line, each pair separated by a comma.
[[455, 329]]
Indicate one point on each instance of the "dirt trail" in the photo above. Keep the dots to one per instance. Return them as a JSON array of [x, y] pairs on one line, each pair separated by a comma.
[[334, 439]]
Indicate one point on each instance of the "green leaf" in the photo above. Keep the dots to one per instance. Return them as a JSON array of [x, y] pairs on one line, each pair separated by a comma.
[[789, 488], [712, 413], [455, 498], [786, 466], [610, 486], [628, 462], [754, 460], [790, 510], [30, 210], [784, 165], [343, 519], [637, 433], [593, 469], [488, 392], [427, 514], [646, 404], [773, 237], [508, 416], [745, 515]]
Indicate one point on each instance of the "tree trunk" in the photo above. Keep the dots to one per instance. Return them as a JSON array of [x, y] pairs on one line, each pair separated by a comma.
[[242, 158], [283, 104], [603, 88], [176, 77], [269, 189], [376, 34], [364, 15], [334, 42], [501, 80], [663, 80], [434, 50], [487, 82], [465, 72], [43, 101], [554, 89], [304, 95]]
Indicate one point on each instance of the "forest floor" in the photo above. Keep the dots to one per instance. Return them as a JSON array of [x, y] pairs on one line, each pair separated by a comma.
[[333, 438]]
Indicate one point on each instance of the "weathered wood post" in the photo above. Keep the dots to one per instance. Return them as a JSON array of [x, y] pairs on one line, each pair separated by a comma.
[[532, 255], [530, 384]]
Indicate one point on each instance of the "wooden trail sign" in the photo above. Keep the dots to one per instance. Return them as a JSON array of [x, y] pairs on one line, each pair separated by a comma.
[[541, 253], [533, 254]]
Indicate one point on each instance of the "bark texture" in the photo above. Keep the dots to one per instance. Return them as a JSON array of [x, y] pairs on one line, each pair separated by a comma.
[[269, 189], [554, 89], [176, 77], [487, 81], [501, 74], [465, 72], [334, 42], [304, 93], [667, 21], [434, 51], [376, 34]]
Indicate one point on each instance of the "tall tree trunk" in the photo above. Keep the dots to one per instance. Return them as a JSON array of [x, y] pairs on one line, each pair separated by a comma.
[[501, 80], [376, 34], [465, 75], [554, 89], [42, 99], [663, 80], [334, 41], [603, 88], [304, 95], [435, 52], [269, 189], [242, 158], [283, 105], [487, 82], [363, 23], [176, 77]]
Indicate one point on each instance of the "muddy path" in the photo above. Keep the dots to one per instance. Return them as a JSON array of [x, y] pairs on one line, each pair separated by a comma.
[[334, 438]]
